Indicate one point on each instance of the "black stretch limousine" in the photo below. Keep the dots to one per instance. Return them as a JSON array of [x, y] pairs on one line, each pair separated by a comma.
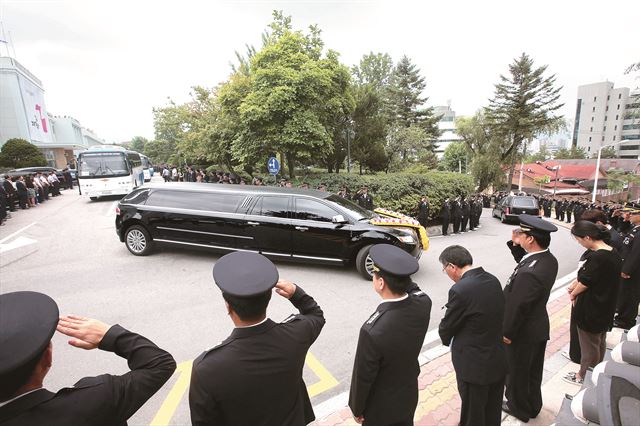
[[280, 223]]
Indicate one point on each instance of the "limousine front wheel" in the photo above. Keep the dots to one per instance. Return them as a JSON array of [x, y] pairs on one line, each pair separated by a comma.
[[138, 240], [364, 264]]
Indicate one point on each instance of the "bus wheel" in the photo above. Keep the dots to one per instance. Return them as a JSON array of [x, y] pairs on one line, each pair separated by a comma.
[[138, 240]]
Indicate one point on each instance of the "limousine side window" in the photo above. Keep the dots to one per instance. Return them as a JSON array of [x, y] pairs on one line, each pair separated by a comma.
[[272, 206], [307, 209], [226, 203], [136, 197]]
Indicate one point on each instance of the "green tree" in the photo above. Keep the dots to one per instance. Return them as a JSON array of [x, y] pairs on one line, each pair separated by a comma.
[[138, 143], [571, 154], [369, 128], [375, 70], [542, 154], [524, 106], [485, 146], [159, 151], [19, 153], [295, 99], [455, 157], [608, 152]]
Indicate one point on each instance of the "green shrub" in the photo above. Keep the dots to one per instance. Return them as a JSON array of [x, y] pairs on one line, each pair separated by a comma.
[[18, 153], [398, 191]]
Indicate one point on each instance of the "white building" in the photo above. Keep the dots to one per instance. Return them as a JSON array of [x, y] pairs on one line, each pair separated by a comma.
[[605, 115], [447, 127]]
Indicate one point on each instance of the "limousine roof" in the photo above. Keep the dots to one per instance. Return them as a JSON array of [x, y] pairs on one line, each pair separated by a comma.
[[234, 188]]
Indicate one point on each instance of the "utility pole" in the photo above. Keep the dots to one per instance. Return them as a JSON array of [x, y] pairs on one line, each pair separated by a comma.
[[595, 179]]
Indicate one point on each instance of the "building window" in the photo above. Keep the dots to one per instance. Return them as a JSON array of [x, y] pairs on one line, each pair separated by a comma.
[[604, 129], [619, 95], [615, 127], [589, 148], [594, 109], [617, 116], [592, 119], [608, 97], [618, 106], [589, 138], [614, 138], [591, 129], [605, 118], [607, 108], [594, 98], [603, 139]]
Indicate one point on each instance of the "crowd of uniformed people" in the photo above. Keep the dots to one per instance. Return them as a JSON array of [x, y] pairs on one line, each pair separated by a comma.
[[497, 336]]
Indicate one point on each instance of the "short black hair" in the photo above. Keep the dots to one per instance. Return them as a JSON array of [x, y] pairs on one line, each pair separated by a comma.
[[542, 238], [396, 284], [249, 308], [456, 255], [13, 380]]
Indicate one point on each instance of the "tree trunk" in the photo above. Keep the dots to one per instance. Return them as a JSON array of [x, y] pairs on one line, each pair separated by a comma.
[[282, 163], [511, 170], [360, 164], [291, 164]]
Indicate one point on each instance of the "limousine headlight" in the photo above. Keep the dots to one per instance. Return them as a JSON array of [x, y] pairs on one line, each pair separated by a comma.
[[407, 239]]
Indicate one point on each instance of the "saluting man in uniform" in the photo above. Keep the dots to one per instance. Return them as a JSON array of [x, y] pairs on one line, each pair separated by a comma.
[[526, 321], [27, 323], [384, 385], [254, 377], [629, 290]]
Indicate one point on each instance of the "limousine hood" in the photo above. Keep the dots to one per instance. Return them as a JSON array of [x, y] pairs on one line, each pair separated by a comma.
[[390, 218]]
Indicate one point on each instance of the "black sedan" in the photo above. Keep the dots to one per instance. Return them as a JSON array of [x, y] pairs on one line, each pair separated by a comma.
[[510, 207]]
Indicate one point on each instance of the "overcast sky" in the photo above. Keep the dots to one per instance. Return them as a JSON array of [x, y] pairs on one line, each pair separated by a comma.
[[108, 63]]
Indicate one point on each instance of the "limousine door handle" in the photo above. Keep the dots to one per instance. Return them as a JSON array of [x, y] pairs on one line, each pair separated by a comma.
[[302, 228], [253, 223]]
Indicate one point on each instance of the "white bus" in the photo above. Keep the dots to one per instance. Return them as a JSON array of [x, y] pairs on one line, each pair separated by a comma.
[[108, 170], [147, 167]]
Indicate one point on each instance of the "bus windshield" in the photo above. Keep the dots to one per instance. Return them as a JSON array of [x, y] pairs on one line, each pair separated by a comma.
[[102, 164]]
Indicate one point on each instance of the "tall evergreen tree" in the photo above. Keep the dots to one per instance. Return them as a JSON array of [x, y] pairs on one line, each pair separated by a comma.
[[524, 106]]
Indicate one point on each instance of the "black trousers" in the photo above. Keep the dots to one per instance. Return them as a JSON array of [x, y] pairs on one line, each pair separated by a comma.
[[627, 304], [526, 362], [568, 216], [574, 341], [463, 226], [481, 404], [456, 224], [445, 226]]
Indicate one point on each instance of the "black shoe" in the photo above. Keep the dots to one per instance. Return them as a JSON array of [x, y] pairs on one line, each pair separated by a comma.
[[506, 409]]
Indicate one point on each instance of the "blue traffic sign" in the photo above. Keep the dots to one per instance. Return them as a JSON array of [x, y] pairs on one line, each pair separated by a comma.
[[273, 165]]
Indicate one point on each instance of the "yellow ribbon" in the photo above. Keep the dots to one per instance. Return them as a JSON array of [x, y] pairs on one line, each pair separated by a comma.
[[399, 219]]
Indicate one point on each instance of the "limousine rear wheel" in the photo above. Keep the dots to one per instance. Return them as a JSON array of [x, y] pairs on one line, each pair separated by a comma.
[[137, 240], [364, 264]]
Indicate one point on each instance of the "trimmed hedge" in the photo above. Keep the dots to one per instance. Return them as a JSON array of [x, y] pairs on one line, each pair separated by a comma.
[[398, 191]]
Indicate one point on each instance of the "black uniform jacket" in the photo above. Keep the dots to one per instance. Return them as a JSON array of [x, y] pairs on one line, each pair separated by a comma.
[[526, 295], [102, 400], [631, 255], [473, 321], [254, 377], [384, 385]]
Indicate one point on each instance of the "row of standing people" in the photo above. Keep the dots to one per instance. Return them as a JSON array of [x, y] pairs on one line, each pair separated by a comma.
[[28, 191], [461, 211]]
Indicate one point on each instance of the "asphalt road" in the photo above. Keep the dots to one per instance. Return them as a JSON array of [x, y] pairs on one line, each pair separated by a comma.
[[68, 248]]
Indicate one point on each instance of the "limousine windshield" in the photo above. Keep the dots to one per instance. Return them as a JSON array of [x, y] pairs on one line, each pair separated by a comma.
[[358, 212]]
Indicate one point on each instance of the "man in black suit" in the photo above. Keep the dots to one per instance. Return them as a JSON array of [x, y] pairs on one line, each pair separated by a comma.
[[456, 213], [445, 215], [629, 287], [423, 211], [21, 190], [526, 321], [28, 321], [384, 384], [472, 325], [363, 198], [11, 193], [254, 377]]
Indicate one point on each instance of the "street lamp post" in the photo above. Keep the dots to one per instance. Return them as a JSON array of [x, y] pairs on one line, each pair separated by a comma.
[[349, 123], [595, 180]]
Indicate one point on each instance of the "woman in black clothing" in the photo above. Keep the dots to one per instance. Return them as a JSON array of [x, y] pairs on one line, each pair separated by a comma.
[[594, 294]]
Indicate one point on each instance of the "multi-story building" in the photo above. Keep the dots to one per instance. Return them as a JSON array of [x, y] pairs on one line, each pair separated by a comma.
[[447, 127], [23, 115], [607, 115]]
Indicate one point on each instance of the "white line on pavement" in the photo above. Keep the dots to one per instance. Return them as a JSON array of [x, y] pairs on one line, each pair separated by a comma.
[[17, 232]]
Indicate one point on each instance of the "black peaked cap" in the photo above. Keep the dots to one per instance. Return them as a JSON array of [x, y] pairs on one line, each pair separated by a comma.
[[393, 260], [245, 274], [27, 322]]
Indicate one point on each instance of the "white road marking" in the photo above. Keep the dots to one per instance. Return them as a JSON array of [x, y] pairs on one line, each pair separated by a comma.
[[17, 243], [17, 232]]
